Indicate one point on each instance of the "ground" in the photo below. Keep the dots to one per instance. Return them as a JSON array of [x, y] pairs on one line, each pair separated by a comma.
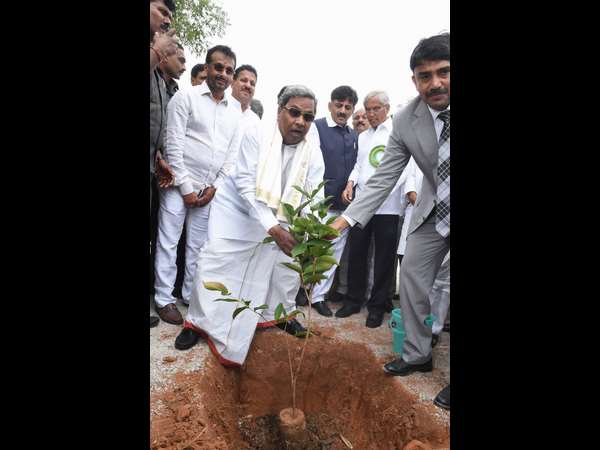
[[170, 369]]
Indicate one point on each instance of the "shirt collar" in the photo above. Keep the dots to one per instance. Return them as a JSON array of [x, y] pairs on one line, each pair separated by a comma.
[[435, 113], [205, 90], [331, 123], [387, 123]]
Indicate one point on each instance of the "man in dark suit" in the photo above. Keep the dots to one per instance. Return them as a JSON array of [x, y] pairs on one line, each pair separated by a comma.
[[338, 144], [420, 130]]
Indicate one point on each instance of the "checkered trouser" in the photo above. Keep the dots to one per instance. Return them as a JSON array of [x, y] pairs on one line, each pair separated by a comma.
[[442, 213]]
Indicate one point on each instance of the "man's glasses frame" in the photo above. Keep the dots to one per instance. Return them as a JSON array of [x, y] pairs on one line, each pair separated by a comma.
[[295, 113]]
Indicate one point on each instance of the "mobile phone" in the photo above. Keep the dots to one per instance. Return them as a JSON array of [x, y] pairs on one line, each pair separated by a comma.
[[200, 192]]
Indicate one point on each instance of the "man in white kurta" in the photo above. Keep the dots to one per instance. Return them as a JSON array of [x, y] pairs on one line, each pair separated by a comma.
[[247, 209], [383, 225], [199, 147]]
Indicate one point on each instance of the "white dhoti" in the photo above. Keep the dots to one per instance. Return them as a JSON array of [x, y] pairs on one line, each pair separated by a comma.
[[251, 271]]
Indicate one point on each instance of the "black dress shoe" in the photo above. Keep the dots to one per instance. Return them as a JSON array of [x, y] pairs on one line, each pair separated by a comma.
[[322, 308], [399, 367], [301, 299], [153, 321], [435, 338], [443, 398], [293, 327], [446, 328], [347, 310], [186, 339], [375, 319]]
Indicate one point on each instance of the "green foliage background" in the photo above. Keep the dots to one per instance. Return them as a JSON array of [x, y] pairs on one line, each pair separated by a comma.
[[196, 21]]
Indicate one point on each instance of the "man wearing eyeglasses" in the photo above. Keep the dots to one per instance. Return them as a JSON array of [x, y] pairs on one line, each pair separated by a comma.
[[383, 226], [200, 148], [248, 209]]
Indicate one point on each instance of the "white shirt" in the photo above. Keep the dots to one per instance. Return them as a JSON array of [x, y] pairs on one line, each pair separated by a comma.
[[437, 123], [199, 144], [243, 217], [368, 141]]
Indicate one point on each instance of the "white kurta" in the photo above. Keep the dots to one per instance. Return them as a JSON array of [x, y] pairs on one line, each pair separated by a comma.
[[234, 255], [371, 148]]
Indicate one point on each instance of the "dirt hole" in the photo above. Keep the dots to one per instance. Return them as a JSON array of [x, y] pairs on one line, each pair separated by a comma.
[[342, 390]]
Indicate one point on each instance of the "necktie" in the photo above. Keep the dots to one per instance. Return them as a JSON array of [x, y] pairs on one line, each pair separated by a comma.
[[442, 212]]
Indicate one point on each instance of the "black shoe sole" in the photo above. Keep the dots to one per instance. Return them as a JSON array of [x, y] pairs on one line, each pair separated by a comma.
[[348, 315], [154, 323], [396, 374], [441, 405]]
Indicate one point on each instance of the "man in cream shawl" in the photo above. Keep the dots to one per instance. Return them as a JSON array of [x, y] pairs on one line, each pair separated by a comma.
[[246, 209]]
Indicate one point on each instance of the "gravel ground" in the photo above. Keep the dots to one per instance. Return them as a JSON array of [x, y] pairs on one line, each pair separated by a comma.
[[165, 360]]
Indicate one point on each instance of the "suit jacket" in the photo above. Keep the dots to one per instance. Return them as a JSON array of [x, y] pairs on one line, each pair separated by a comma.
[[413, 134]]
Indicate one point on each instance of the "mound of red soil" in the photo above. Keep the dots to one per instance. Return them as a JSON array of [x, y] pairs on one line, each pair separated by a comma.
[[342, 390]]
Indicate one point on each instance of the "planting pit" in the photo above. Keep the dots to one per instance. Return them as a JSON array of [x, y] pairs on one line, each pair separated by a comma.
[[348, 400]]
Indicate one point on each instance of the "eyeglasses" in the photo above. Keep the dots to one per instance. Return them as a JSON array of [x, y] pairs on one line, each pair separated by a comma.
[[295, 113], [220, 67]]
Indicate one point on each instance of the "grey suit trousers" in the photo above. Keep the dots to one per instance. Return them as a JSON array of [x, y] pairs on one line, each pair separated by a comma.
[[425, 251]]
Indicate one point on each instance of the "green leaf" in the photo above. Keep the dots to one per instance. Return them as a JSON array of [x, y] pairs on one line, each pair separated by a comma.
[[279, 310], [298, 188], [239, 310], [331, 220], [288, 210], [322, 214], [216, 286], [268, 239], [230, 300], [293, 267], [316, 250], [324, 243], [299, 249], [327, 259], [301, 207], [295, 313], [323, 266], [261, 307], [314, 278]]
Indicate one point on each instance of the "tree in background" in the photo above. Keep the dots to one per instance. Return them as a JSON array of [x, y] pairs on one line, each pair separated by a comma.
[[196, 21]]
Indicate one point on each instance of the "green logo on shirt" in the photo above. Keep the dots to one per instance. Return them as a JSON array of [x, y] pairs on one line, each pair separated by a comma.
[[376, 155]]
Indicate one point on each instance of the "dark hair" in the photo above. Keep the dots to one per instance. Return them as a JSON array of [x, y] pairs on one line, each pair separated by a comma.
[[168, 3], [434, 48], [223, 49], [344, 93], [257, 107], [196, 69], [247, 67]]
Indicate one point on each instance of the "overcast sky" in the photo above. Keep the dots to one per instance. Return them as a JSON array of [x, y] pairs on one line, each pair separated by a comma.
[[326, 43]]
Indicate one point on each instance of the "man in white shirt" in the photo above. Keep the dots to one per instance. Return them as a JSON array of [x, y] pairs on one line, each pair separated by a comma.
[[248, 209], [200, 148], [383, 226]]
